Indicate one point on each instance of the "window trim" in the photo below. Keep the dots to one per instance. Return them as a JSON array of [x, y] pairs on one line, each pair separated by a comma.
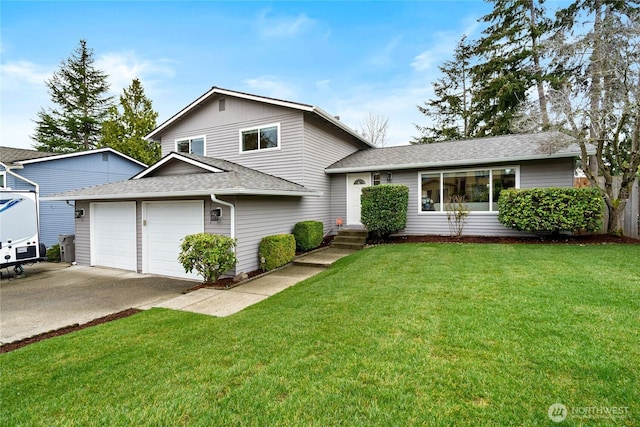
[[191, 138], [444, 171], [259, 150], [3, 184]]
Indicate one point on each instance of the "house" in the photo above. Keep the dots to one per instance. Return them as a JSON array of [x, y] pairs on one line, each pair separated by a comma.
[[249, 166], [55, 173]]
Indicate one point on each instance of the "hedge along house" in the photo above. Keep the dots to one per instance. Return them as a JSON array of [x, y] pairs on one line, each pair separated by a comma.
[[249, 166], [477, 169]]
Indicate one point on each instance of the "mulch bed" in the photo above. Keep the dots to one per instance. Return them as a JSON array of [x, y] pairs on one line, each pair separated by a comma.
[[226, 283], [587, 239]]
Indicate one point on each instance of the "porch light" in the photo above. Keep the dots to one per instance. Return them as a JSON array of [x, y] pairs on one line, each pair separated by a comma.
[[389, 176], [216, 214]]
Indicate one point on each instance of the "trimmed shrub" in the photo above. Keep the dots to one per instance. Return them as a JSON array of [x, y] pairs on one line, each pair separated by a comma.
[[308, 235], [384, 208], [53, 253], [211, 255], [276, 251], [551, 209]]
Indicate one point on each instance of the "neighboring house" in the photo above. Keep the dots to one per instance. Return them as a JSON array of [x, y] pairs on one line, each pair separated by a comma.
[[55, 173], [249, 166]]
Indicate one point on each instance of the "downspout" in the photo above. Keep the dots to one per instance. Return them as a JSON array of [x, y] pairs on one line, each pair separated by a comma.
[[232, 215]]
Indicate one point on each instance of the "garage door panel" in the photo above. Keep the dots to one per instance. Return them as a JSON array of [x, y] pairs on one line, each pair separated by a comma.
[[166, 225], [113, 235]]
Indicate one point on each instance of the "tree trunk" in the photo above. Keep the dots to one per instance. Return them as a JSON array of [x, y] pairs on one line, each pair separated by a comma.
[[616, 215]]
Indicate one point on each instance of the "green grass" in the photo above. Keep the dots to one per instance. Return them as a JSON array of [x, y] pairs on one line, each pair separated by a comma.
[[413, 334]]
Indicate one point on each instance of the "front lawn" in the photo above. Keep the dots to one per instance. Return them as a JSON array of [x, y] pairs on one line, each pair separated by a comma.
[[412, 334]]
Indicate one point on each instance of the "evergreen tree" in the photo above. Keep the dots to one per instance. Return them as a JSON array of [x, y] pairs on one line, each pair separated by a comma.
[[510, 55], [80, 92], [125, 130], [450, 112]]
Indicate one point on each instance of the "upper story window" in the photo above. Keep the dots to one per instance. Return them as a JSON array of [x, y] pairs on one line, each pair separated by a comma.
[[260, 138], [191, 145], [480, 188]]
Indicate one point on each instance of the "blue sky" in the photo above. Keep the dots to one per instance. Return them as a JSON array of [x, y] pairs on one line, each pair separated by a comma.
[[348, 58]]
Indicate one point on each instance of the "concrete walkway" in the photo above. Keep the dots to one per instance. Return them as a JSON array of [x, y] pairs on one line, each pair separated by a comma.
[[222, 303]]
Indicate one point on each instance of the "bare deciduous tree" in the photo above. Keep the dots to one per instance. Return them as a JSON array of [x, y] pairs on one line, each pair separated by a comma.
[[375, 128]]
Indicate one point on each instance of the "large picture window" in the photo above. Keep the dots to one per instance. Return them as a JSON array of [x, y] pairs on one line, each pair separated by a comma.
[[261, 138], [480, 188], [191, 146]]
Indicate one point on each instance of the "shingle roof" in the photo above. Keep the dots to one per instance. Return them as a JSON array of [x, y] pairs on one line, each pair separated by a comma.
[[11, 154], [233, 180], [507, 148]]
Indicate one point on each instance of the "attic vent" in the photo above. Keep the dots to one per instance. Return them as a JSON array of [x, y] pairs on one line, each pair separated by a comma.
[[105, 157], [221, 104]]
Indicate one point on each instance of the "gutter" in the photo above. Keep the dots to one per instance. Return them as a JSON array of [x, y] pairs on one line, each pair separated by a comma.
[[184, 193], [405, 166], [232, 215]]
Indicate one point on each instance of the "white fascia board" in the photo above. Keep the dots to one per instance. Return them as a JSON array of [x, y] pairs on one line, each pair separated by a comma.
[[448, 164], [80, 153], [186, 193], [172, 156]]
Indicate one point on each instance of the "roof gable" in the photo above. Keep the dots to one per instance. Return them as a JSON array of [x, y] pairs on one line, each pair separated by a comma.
[[32, 156], [306, 108], [12, 154]]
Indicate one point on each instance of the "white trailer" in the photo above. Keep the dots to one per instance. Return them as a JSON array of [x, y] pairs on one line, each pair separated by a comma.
[[19, 237]]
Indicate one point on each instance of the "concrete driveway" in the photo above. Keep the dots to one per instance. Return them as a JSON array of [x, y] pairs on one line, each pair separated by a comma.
[[52, 296]]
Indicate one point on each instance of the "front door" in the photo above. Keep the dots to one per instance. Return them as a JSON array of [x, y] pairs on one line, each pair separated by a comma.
[[355, 183]]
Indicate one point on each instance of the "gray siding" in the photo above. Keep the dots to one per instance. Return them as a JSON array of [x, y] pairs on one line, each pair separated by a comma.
[[83, 227], [176, 167], [338, 197], [322, 147], [257, 217], [552, 173], [547, 173], [221, 129]]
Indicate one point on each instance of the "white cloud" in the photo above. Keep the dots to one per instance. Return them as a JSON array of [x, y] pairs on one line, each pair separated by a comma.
[[384, 57], [122, 67], [444, 45], [20, 72], [272, 87], [283, 26]]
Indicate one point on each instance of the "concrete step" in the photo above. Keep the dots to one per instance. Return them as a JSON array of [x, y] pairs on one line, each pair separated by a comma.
[[353, 239], [350, 239], [352, 246]]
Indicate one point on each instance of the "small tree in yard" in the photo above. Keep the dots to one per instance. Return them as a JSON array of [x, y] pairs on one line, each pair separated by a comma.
[[210, 255], [384, 209], [457, 213]]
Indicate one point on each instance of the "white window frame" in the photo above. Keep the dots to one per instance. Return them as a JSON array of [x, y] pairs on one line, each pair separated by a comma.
[[259, 150], [3, 176], [442, 210], [191, 138]]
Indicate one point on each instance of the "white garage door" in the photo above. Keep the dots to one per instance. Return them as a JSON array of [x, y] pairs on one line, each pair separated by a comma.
[[113, 235], [163, 227]]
